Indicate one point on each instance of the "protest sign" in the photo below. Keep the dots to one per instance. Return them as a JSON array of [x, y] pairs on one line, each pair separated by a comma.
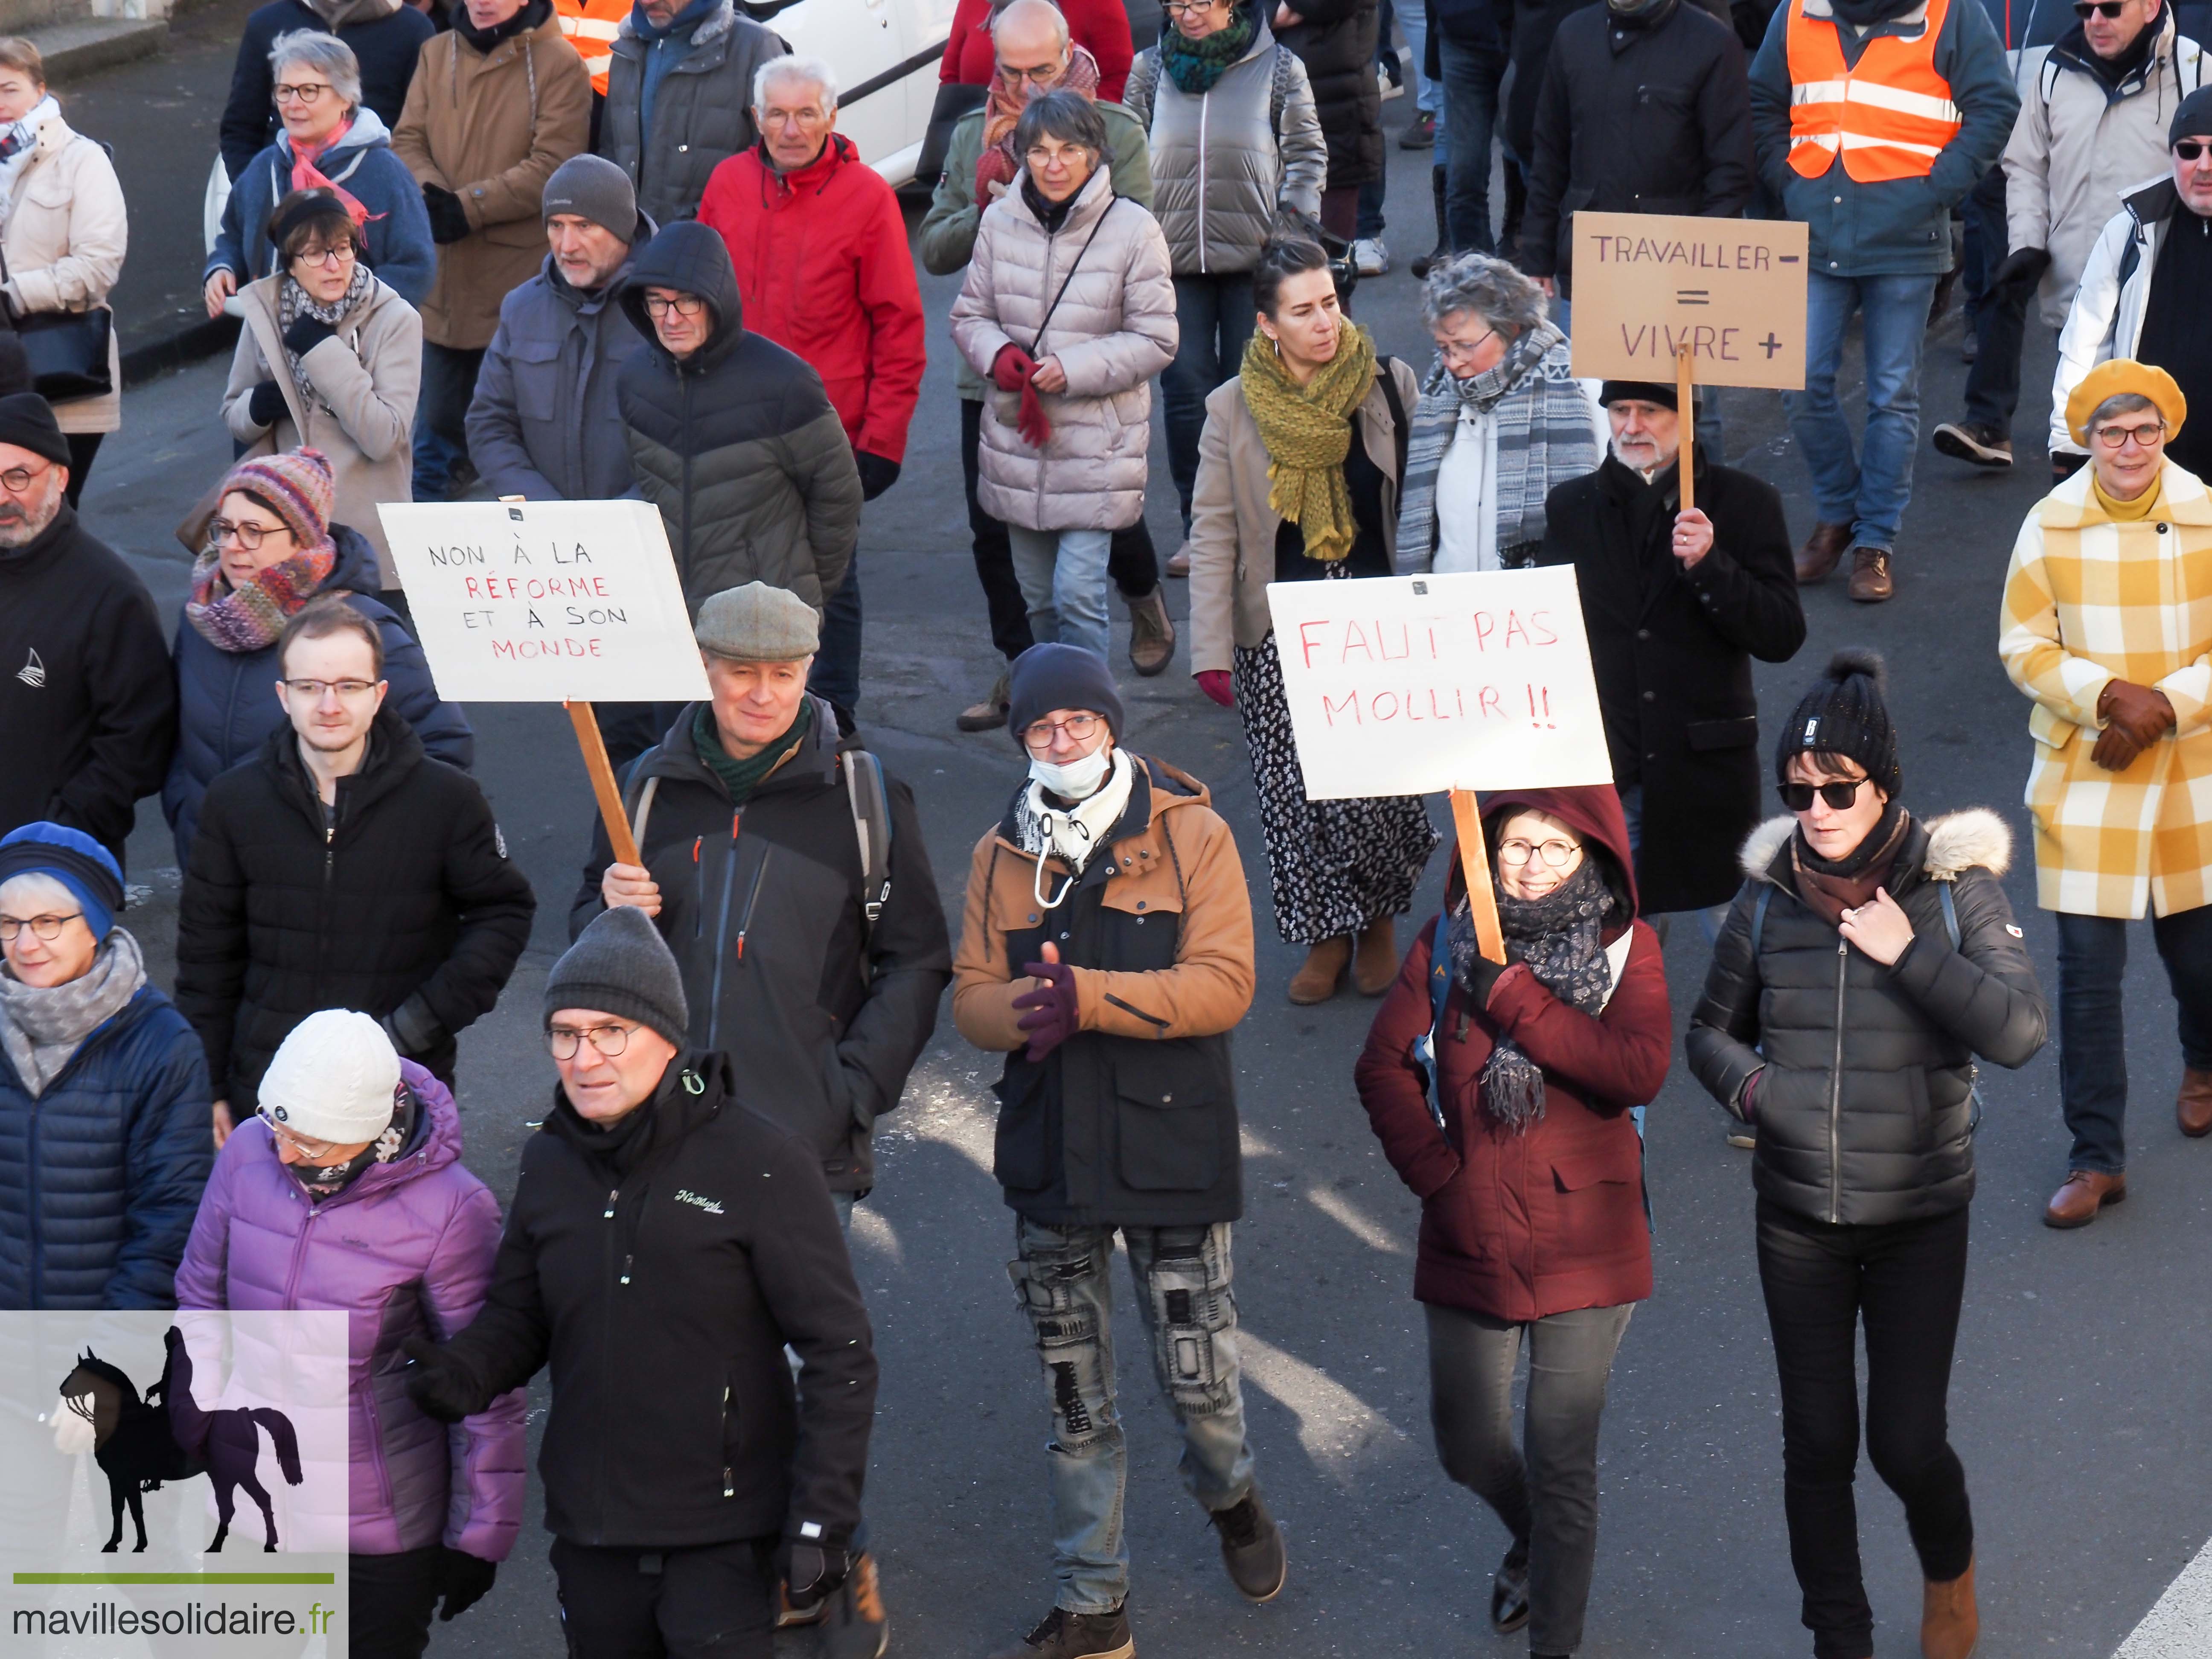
[[1730, 292]]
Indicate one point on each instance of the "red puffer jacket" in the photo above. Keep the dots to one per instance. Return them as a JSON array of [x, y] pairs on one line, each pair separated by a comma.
[[1518, 1225], [823, 271], [1101, 28]]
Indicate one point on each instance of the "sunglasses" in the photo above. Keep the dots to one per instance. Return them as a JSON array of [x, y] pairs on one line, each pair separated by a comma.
[[2190, 149], [1798, 797], [2105, 9]]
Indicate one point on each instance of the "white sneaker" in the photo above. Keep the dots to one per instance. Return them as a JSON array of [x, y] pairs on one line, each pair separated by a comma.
[[1370, 256]]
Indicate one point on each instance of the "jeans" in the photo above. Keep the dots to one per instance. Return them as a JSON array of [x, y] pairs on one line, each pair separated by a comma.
[[1998, 316], [1063, 577], [392, 1598], [449, 381], [1369, 222], [2092, 1054], [1549, 1503], [1214, 316], [1866, 491], [1062, 1278], [708, 1602], [1428, 95], [1905, 1279], [836, 672], [1471, 76]]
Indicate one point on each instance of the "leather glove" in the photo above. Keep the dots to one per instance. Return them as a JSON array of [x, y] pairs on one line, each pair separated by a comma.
[[1214, 682], [1012, 368], [2023, 267], [264, 405], [1049, 1013], [2143, 712], [436, 1383], [307, 333], [2116, 748], [877, 474], [449, 220], [811, 1570], [464, 1580]]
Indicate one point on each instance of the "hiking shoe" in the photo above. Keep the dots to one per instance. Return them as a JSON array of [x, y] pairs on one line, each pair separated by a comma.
[[1152, 633], [988, 715], [1982, 446], [856, 1627], [1871, 582], [1420, 133], [1065, 1635], [1251, 1547], [1371, 256], [1509, 1592]]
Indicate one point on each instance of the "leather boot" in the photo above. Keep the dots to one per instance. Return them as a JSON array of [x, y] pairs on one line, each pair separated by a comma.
[[1375, 963], [2192, 1108], [1950, 1623], [2084, 1193], [1152, 633], [1421, 265], [988, 715], [1823, 549], [1315, 980]]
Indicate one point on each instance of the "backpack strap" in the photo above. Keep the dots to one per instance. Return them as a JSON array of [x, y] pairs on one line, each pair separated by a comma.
[[1950, 912], [1399, 427], [1758, 918], [638, 790], [871, 829], [1278, 91], [1973, 1072], [1141, 88], [1425, 1046]]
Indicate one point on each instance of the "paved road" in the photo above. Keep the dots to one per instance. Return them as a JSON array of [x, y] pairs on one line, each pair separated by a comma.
[[2082, 1359]]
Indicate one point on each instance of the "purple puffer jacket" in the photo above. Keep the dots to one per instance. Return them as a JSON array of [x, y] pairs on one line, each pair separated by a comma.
[[406, 1250]]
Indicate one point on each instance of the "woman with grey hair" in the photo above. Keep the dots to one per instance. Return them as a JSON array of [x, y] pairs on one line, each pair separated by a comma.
[[329, 141], [1502, 422]]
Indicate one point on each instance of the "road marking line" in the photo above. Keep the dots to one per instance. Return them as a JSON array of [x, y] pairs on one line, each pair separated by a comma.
[[2180, 1625]]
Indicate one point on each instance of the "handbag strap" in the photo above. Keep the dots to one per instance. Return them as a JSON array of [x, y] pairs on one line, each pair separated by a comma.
[[1038, 339]]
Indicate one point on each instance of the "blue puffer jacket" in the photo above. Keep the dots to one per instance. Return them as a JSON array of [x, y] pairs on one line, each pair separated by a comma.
[[227, 707], [100, 1175]]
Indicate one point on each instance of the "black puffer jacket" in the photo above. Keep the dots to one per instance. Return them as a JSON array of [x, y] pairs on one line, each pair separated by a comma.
[[1335, 40], [407, 906], [738, 446], [1863, 1111]]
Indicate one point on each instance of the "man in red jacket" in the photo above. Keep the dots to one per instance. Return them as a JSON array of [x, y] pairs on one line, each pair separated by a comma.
[[820, 250]]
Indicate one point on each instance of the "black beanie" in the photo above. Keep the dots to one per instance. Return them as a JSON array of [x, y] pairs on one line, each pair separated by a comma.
[[1845, 713], [1642, 391], [621, 965], [1050, 677], [2192, 118], [26, 421]]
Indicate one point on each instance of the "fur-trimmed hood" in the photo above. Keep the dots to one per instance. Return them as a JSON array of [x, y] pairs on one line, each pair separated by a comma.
[[1957, 842]]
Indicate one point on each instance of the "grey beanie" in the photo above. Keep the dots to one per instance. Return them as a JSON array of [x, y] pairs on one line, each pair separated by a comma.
[[621, 965], [758, 624], [1048, 677], [593, 188]]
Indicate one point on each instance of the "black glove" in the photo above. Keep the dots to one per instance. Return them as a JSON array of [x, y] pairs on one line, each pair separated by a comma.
[[449, 220], [877, 474], [2023, 266], [811, 1570], [464, 1580], [412, 1027], [307, 333], [436, 1382], [264, 405]]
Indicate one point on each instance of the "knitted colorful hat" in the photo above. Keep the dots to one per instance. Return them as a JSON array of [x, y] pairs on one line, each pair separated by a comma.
[[296, 486]]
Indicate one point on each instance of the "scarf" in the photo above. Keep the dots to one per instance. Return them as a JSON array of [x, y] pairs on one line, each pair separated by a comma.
[[1195, 66], [1051, 214], [1545, 439], [18, 143], [1557, 935], [306, 175], [319, 1183], [532, 15], [1640, 14], [1073, 834], [1002, 109], [294, 302], [41, 1028], [1307, 431], [742, 777], [249, 618], [1830, 887]]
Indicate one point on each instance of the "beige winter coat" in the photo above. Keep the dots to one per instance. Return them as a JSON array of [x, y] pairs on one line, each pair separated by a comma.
[[1113, 330], [65, 242], [491, 127], [366, 378]]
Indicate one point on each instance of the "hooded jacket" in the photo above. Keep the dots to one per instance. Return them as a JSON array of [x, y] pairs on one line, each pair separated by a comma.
[[227, 702], [406, 906], [2107, 318], [701, 106], [405, 1250], [386, 37], [396, 242], [1518, 1225], [738, 444], [1132, 1121], [1863, 1103]]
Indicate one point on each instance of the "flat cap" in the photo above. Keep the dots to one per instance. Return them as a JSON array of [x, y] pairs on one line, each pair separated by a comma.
[[758, 624]]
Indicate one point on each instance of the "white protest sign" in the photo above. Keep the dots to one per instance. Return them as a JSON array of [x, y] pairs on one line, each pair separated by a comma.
[[546, 601], [1405, 685]]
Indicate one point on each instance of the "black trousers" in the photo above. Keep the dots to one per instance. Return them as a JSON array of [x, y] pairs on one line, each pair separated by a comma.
[[714, 1602], [82, 447], [1905, 1280], [391, 1598]]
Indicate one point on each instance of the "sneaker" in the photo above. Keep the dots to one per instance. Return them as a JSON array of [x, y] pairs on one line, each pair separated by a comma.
[[1871, 582], [1065, 1635], [856, 1627], [1509, 1592], [1982, 446], [1420, 133], [1370, 256], [1252, 1548], [988, 715]]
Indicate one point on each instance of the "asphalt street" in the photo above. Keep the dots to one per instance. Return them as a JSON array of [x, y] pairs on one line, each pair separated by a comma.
[[2082, 1364]]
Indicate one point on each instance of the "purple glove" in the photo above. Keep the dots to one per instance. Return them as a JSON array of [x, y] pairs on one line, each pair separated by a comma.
[[1050, 1015]]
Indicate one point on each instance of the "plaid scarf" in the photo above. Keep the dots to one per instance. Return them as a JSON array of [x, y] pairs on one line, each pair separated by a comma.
[[1545, 439], [1557, 935], [1307, 432], [1002, 110], [249, 618], [294, 302]]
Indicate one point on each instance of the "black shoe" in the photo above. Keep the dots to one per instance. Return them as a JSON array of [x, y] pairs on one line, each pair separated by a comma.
[[1967, 440], [1509, 1592], [1252, 1548], [1065, 1635], [1420, 133]]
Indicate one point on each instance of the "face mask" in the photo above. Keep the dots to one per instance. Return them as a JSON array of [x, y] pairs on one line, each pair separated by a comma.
[[1077, 779]]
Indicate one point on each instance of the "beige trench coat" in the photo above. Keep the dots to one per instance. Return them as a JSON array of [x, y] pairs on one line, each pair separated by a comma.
[[66, 234]]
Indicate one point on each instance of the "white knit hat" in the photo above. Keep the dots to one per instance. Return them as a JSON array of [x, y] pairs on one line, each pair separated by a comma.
[[335, 1079]]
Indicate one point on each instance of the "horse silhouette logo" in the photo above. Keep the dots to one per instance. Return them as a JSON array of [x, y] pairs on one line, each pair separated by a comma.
[[139, 1444]]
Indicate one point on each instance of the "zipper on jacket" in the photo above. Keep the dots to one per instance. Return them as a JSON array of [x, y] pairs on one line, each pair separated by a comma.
[[752, 897], [1836, 1091], [729, 1472], [722, 926], [626, 1266], [1205, 106], [608, 1214], [685, 565]]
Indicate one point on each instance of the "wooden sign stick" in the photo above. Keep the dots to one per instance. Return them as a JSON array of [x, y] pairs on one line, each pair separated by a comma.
[[1475, 862], [1685, 415], [602, 781]]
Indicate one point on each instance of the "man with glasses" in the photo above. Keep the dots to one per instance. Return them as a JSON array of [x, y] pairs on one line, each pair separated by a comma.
[[342, 868], [664, 1244], [87, 704]]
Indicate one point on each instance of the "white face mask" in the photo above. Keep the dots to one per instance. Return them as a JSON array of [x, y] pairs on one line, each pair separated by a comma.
[[1077, 779]]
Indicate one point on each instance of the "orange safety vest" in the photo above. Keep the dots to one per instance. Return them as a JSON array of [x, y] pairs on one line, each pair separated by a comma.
[[1890, 115], [590, 26]]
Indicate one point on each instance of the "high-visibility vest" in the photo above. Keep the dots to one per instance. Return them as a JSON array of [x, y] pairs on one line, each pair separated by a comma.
[[590, 26], [1890, 115]]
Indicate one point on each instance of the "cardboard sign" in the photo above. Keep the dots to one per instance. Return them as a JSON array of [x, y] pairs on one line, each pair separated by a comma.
[[1732, 290], [1403, 685], [546, 601]]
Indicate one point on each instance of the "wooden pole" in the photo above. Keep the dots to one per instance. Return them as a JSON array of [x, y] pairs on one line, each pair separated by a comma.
[[1475, 861], [1687, 417], [602, 781]]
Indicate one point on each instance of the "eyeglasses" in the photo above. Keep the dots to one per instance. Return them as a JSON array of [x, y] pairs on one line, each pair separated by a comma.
[[1038, 75], [298, 1143], [1798, 797], [348, 690], [1559, 854], [1040, 157], [1178, 7], [2190, 149], [47, 927], [18, 478], [683, 305], [305, 92], [566, 1042], [247, 535], [343, 253], [1079, 728], [2118, 437], [1456, 350]]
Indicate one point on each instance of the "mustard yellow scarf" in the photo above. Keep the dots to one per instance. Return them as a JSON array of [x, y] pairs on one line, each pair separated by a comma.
[[1307, 431]]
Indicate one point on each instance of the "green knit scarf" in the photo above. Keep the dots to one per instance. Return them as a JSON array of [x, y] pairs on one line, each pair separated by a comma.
[[1195, 66], [742, 777], [1307, 430]]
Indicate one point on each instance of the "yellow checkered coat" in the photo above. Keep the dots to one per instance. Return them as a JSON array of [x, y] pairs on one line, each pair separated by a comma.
[[2087, 600]]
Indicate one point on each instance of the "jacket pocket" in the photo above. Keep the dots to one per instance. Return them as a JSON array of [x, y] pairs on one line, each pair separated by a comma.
[[1167, 1121], [2053, 731], [1596, 1200], [1739, 732], [1021, 1147]]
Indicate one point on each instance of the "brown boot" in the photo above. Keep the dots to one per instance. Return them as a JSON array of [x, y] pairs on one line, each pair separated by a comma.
[[1315, 981], [2192, 1108], [1152, 633], [988, 715], [1950, 1623], [1374, 964], [2085, 1192], [1871, 579], [1827, 545]]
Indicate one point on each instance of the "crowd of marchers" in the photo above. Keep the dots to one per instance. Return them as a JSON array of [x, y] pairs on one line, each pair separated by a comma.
[[579, 251]]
